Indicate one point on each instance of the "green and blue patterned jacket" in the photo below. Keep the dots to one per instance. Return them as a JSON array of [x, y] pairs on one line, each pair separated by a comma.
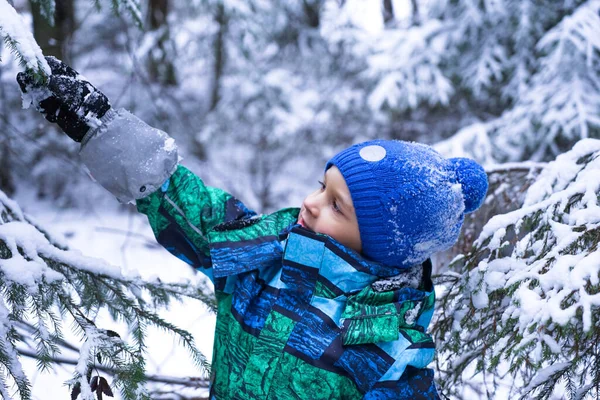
[[298, 317]]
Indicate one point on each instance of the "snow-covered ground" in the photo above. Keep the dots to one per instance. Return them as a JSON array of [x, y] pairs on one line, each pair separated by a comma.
[[122, 237]]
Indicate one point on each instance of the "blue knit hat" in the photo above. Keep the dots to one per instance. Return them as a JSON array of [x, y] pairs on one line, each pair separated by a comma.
[[410, 201]]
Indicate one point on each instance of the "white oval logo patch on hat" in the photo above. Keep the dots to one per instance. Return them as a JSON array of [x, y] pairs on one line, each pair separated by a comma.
[[372, 153]]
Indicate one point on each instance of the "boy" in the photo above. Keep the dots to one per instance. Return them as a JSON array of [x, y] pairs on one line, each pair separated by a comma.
[[329, 301]]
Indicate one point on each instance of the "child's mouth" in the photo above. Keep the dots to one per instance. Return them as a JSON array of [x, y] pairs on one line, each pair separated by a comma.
[[301, 221]]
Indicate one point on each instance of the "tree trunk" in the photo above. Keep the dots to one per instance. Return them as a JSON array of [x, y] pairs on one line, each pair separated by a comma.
[[312, 12], [7, 184], [53, 40], [416, 18], [160, 65], [388, 12], [219, 48]]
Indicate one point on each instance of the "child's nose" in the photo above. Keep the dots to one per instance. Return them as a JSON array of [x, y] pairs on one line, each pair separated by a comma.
[[311, 204]]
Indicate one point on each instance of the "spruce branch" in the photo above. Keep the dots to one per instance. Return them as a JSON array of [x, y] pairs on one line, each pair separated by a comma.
[[17, 37], [528, 296], [188, 382], [20, 41], [42, 284], [48, 9]]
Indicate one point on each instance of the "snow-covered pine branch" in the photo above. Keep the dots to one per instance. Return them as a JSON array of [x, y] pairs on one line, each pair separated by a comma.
[[528, 302], [19, 39], [551, 81], [402, 66], [562, 103], [45, 284], [419, 79], [508, 186], [526, 74]]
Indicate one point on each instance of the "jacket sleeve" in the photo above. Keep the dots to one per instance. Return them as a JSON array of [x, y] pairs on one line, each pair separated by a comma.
[[136, 162], [127, 157], [184, 211]]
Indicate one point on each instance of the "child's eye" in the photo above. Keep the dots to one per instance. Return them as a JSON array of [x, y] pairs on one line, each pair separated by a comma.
[[322, 185], [336, 207]]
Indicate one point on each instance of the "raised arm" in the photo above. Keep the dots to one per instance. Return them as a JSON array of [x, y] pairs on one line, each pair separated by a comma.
[[135, 162], [126, 156], [183, 213]]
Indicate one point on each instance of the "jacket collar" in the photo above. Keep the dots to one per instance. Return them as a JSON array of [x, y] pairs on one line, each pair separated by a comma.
[[264, 242], [296, 233]]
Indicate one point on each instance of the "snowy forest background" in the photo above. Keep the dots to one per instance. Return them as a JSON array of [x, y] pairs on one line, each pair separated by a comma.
[[259, 94]]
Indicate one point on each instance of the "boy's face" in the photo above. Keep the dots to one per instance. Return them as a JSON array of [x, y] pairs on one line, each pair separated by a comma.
[[330, 211]]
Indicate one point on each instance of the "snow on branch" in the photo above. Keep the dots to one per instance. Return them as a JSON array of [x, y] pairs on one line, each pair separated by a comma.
[[45, 284], [558, 104], [419, 78], [19, 39], [530, 293], [401, 65], [580, 30]]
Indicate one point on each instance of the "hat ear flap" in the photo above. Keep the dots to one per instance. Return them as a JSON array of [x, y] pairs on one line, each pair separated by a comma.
[[473, 180]]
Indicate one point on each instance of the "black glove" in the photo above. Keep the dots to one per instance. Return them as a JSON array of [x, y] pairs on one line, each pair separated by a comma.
[[73, 103]]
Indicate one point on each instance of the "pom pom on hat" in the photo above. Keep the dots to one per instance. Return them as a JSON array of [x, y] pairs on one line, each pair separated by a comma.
[[473, 180], [409, 200]]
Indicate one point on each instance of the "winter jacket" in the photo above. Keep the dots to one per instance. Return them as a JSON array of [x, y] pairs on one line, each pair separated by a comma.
[[298, 313]]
